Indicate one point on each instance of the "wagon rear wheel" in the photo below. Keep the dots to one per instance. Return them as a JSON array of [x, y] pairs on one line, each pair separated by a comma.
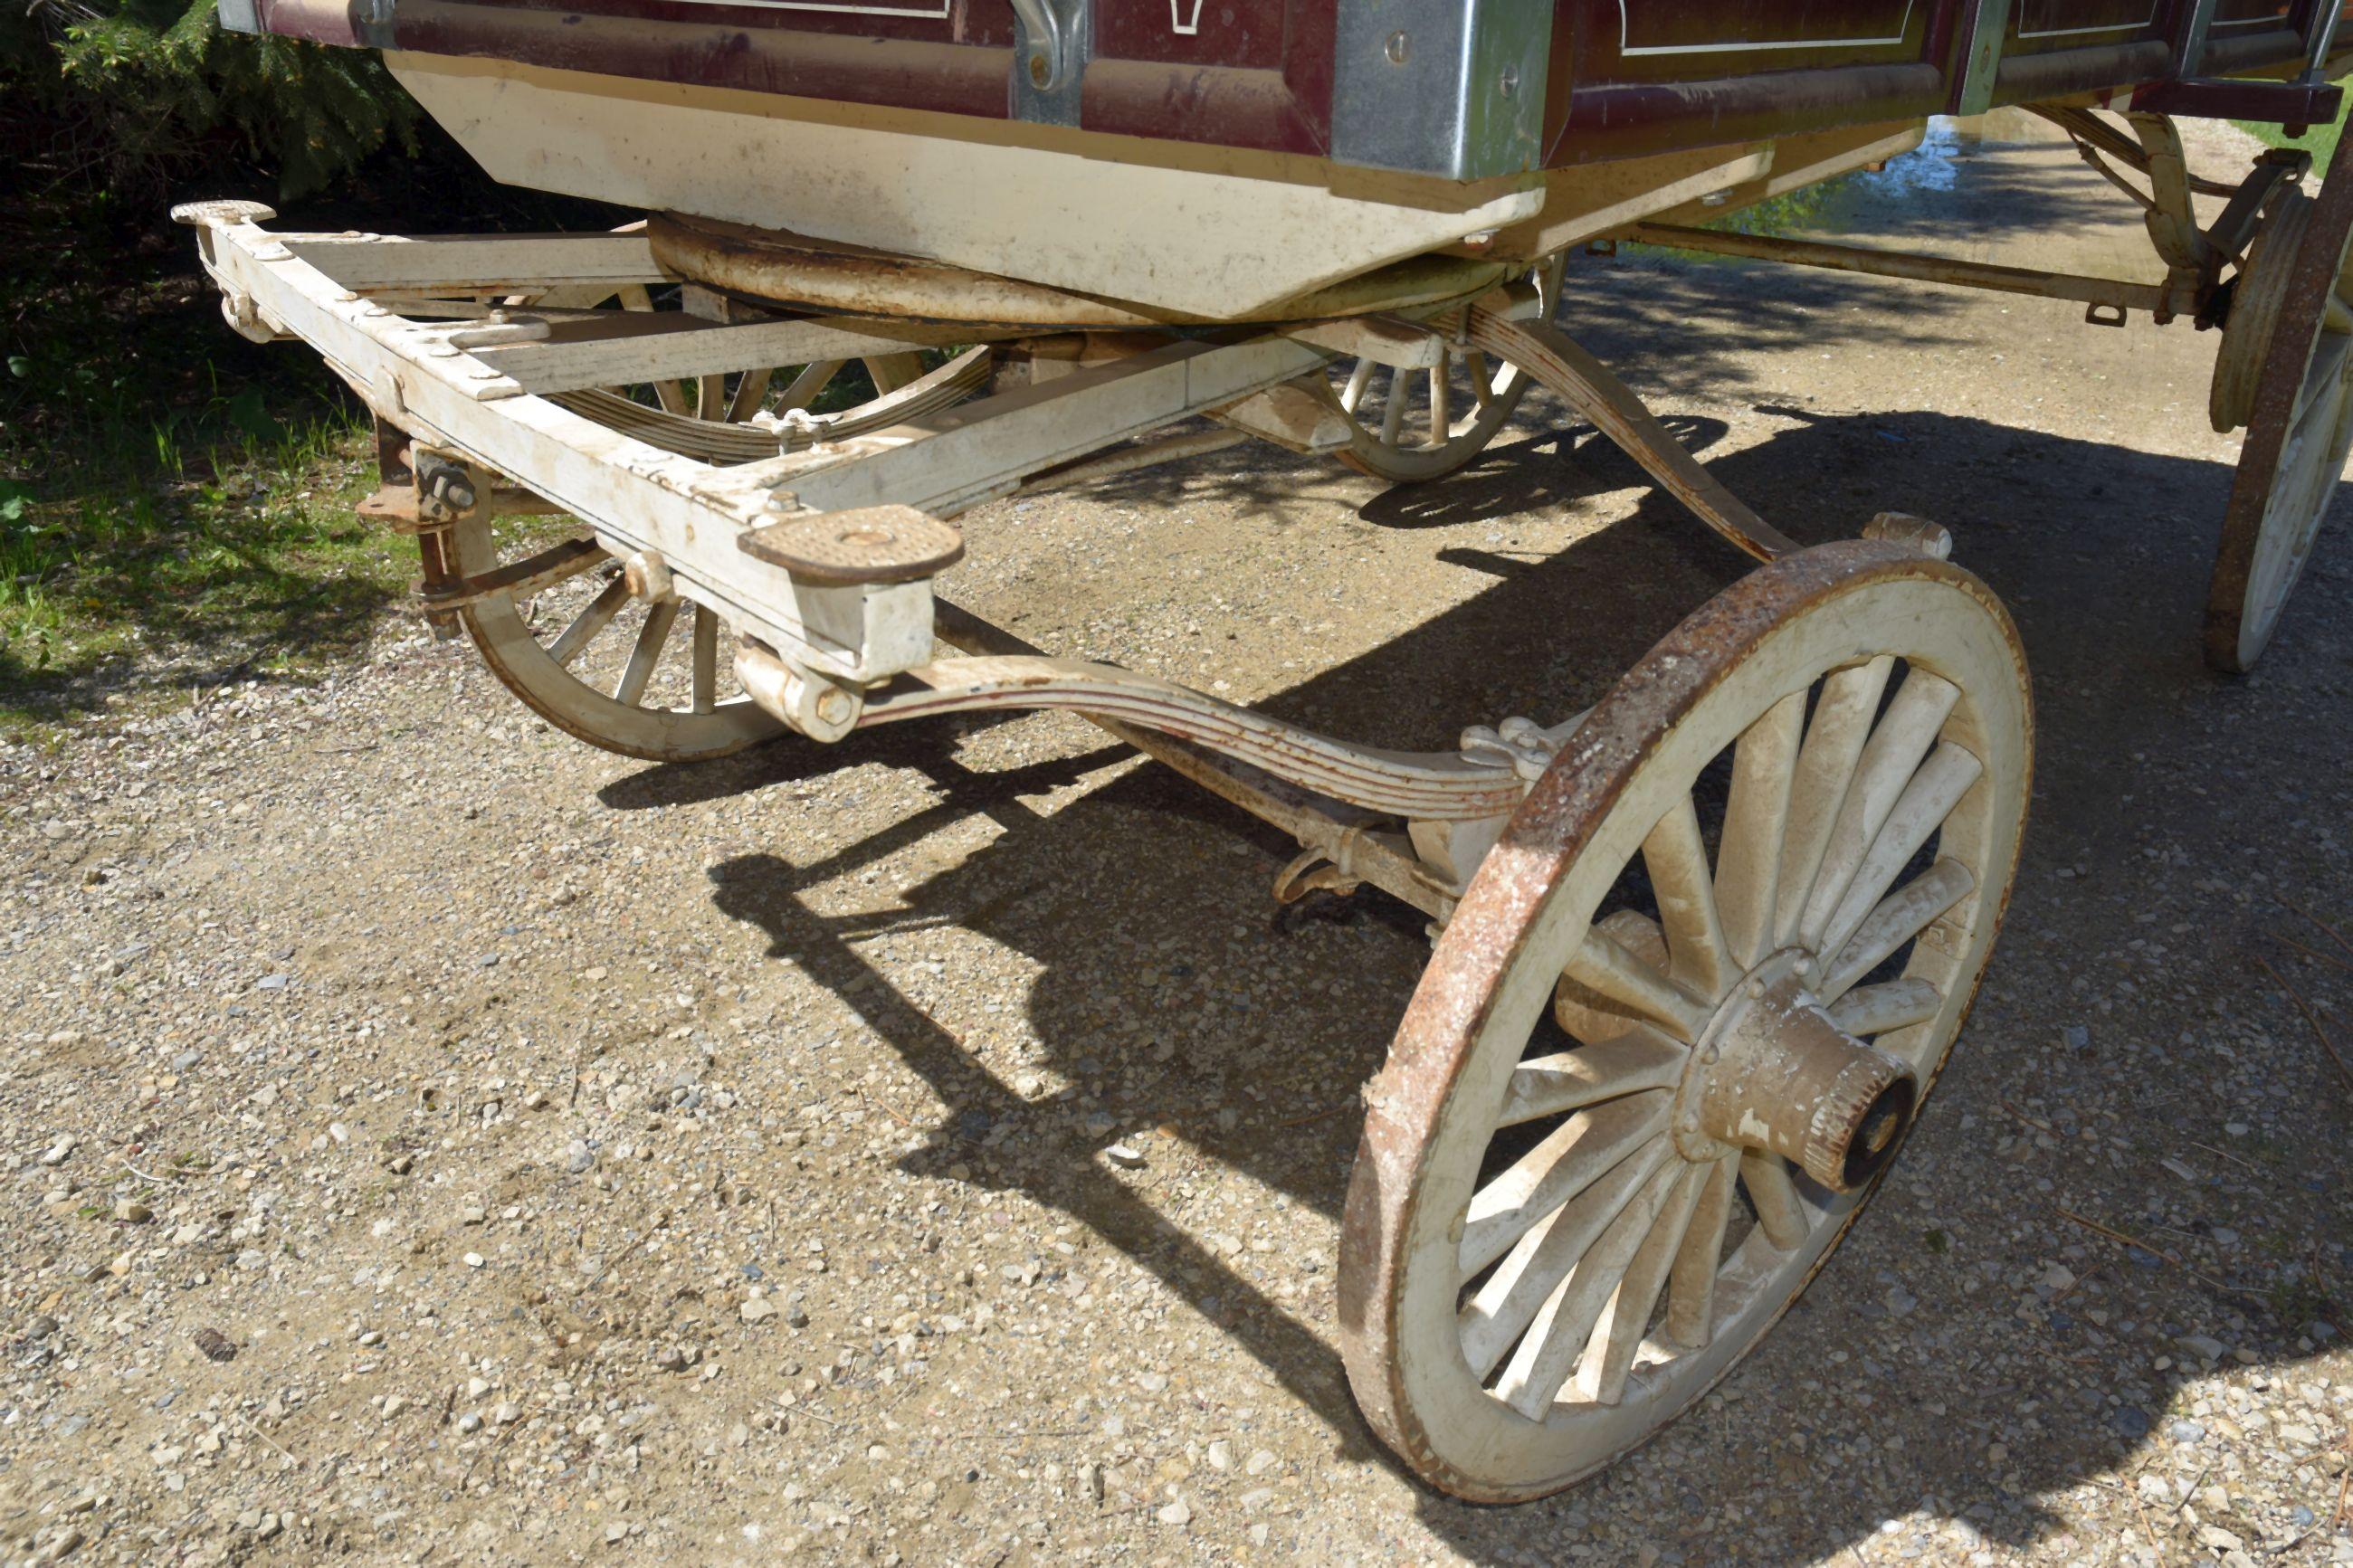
[[2286, 370], [1682, 1016], [1412, 426]]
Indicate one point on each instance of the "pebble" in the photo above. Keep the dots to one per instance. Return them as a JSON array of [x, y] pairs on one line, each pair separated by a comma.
[[758, 1309], [131, 1211], [1124, 1155], [473, 1260], [1179, 1512], [2205, 1347], [2185, 1431]]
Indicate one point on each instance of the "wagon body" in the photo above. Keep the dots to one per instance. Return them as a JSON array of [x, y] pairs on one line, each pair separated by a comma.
[[1209, 157]]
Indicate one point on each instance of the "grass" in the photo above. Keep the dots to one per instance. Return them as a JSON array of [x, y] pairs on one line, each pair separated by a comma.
[[176, 504], [2320, 141]]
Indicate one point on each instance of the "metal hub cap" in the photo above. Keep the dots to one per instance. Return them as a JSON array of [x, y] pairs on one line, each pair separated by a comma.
[[1772, 1072]]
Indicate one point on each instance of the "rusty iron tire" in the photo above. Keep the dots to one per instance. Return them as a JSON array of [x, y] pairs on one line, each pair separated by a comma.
[[644, 723], [1744, 665], [1377, 448], [2299, 431]]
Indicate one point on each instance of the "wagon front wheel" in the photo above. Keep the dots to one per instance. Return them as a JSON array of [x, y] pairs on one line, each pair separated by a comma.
[[650, 680], [1682, 1016]]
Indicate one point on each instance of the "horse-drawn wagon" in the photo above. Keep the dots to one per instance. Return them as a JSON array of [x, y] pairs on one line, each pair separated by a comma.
[[1700, 950]]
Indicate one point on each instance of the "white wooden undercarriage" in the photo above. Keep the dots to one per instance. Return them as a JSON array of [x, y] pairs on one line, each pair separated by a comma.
[[1627, 1114]]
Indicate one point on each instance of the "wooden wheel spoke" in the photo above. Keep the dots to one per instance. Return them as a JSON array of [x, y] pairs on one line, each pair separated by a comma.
[[1835, 741], [1626, 1320], [1756, 822], [1571, 1080], [1441, 398], [1555, 1340], [1780, 1212], [706, 659], [1393, 412], [711, 397], [1918, 813], [671, 396], [1691, 1288], [1359, 378], [891, 372], [750, 393], [1901, 916], [1699, 956], [1508, 1300], [802, 390], [1621, 982], [1889, 760], [1571, 1158], [594, 618], [1483, 386], [653, 638], [1883, 1009]]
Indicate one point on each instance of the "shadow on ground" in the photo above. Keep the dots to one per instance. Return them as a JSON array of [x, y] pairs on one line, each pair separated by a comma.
[[2107, 584]]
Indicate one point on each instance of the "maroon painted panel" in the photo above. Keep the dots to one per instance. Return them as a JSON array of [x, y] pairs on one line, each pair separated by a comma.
[[1627, 76]]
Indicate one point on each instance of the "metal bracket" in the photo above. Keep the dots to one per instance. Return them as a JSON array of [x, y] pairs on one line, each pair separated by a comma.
[[1450, 87], [1053, 40]]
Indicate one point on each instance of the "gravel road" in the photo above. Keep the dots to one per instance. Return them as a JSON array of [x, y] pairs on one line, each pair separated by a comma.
[[427, 1140]]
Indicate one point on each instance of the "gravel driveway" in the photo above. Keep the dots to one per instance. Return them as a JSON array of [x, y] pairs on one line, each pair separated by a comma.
[[429, 1139]]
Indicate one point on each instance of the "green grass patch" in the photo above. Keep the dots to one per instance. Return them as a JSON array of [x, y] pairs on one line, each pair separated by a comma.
[[2320, 141], [175, 504]]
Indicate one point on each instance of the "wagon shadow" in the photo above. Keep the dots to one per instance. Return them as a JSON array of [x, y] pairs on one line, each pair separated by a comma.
[[1169, 997]]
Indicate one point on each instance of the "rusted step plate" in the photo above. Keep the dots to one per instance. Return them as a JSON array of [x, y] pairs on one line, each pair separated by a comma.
[[868, 544]]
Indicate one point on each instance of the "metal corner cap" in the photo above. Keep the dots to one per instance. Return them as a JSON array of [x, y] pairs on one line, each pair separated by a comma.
[[1450, 87]]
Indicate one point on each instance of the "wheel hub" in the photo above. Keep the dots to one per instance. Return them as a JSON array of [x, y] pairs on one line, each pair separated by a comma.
[[1772, 1072]]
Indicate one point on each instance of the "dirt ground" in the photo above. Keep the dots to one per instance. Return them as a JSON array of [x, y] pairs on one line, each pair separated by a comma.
[[429, 1139]]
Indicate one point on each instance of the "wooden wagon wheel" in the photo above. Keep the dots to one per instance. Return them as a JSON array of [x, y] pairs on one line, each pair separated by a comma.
[[1423, 425], [1628, 1115], [589, 657], [2284, 370]]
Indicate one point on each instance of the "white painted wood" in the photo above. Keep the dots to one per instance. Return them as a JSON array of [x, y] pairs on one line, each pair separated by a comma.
[[1902, 916], [1508, 1300], [1572, 1158], [1215, 235], [1835, 741], [1691, 1286], [1555, 1342], [1626, 1320], [1570, 1080], [1925, 802], [1675, 854], [1627, 984], [470, 263], [673, 344], [1881, 1009], [1890, 758], [1779, 1215], [947, 462], [1748, 860]]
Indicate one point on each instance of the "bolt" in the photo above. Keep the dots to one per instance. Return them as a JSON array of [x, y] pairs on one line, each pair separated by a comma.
[[1041, 71], [1756, 988], [1397, 47], [1510, 82], [1802, 967], [1710, 1054], [833, 705]]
